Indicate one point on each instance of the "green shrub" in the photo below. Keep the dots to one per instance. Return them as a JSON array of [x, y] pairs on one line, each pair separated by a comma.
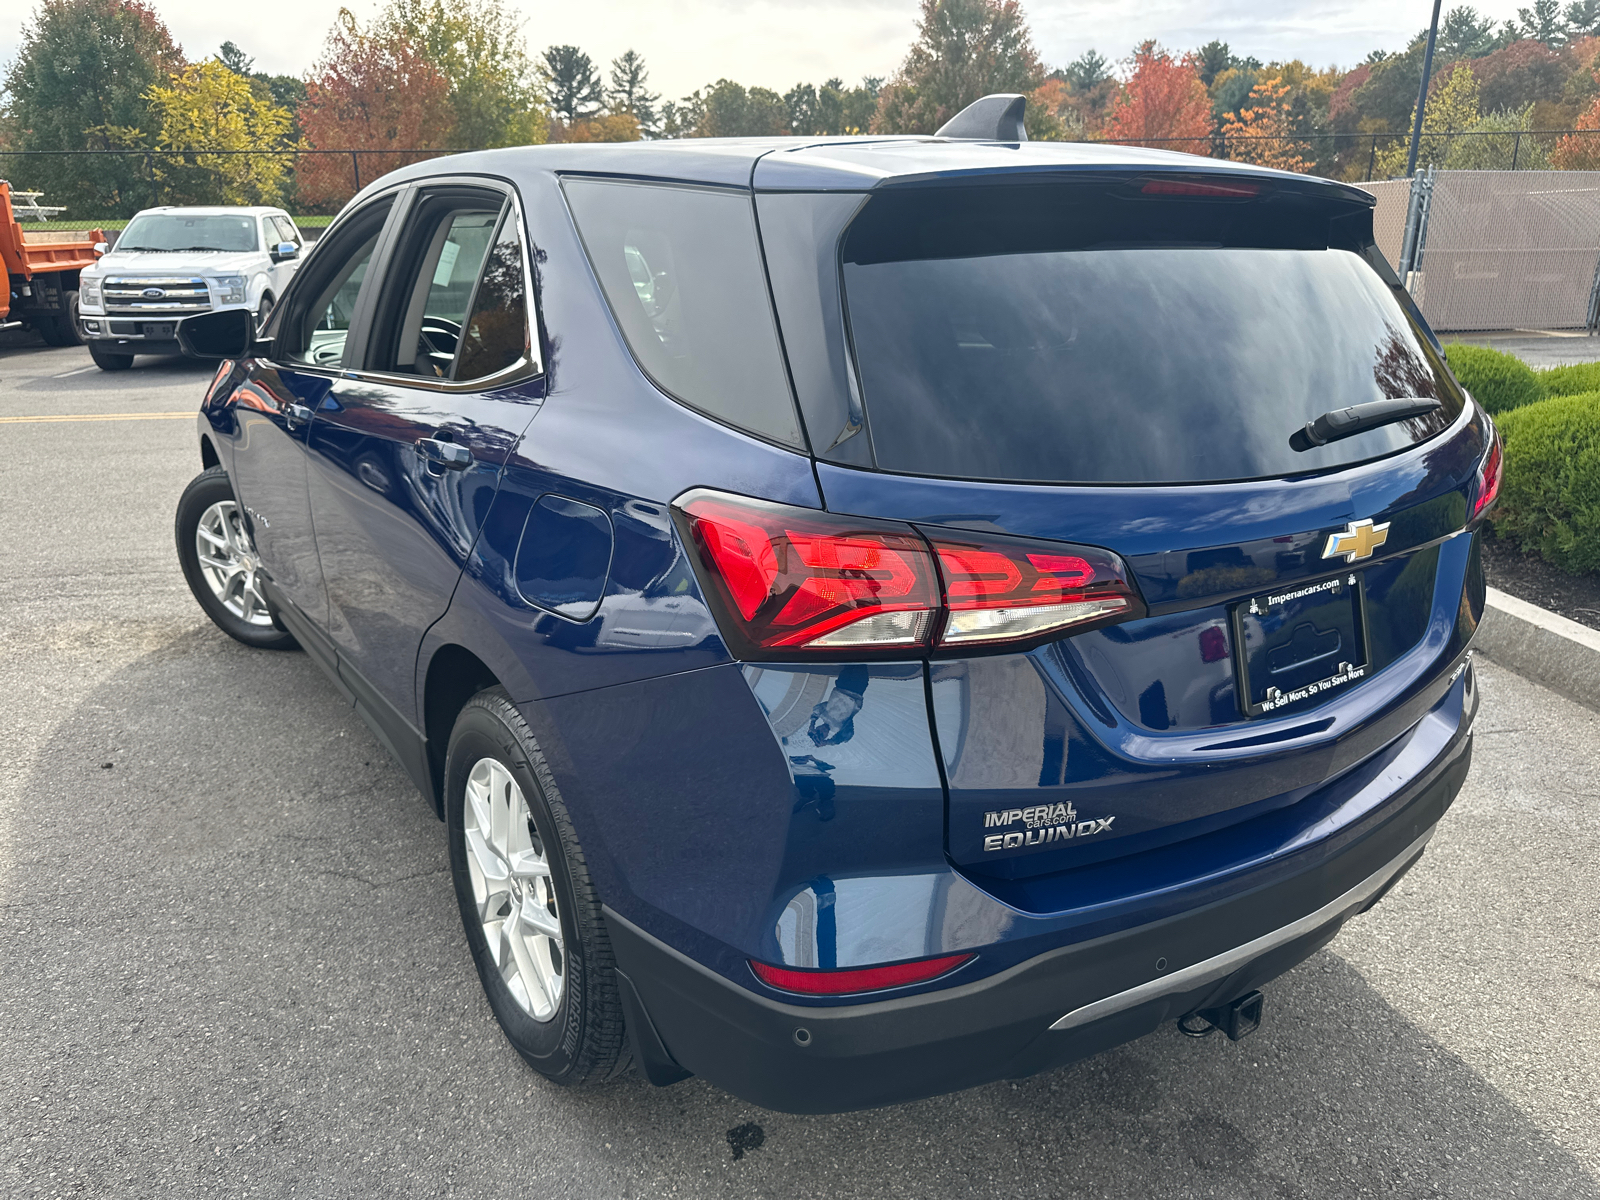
[[1550, 493], [1570, 381], [1498, 381]]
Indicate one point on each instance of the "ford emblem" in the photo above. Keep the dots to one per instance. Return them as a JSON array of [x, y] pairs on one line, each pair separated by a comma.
[[154, 293]]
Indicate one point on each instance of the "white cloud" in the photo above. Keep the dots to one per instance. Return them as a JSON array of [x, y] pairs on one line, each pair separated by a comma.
[[688, 43]]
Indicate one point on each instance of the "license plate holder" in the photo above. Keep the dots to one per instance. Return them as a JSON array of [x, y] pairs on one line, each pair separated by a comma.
[[163, 330], [1296, 646]]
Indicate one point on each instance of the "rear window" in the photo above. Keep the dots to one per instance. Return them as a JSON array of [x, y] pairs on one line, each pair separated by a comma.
[[1045, 335], [681, 269]]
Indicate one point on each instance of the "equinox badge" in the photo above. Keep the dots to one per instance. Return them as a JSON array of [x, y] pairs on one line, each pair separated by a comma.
[[1356, 541]]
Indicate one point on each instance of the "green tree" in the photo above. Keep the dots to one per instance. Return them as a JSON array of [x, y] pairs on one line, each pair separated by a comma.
[[628, 93], [477, 45], [1465, 33], [210, 107], [1583, 18], [728, 109], [286, 91], [1089, 70], [78, 82], [1213, 59], [571, 84], [1543, 23], [965, 49], [1451, 109]]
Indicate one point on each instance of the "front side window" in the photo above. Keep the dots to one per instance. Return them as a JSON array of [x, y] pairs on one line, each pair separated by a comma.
[[1063, 337], [194, 234], [322, 306], [681, 269]]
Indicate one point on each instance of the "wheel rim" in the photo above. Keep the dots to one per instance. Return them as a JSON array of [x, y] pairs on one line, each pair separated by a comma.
[[229, 563], [513, 891]]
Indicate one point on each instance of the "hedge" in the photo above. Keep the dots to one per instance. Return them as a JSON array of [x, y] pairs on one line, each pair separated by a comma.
[[1498, 381], [1550, 493], [1571, 381]]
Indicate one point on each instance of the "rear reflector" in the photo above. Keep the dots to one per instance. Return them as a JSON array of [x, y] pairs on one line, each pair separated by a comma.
[[1192, 187], [1488, 477], [857, 979], [789, 583]]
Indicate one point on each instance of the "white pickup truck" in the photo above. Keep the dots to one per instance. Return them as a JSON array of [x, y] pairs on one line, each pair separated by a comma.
[[172, 263]]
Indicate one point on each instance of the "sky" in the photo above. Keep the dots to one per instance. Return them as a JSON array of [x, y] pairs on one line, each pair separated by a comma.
[[688, 43]]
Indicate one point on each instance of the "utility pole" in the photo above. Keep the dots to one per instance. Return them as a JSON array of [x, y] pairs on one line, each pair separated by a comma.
[[1422, 92]]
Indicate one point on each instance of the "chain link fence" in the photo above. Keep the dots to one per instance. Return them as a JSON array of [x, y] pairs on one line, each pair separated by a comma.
[[114, 184], [1485, 250]]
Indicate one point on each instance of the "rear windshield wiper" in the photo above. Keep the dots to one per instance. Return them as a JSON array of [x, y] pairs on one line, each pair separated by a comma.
[[1358, 418]]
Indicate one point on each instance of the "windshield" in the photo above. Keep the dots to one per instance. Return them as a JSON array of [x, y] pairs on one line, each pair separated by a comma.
[[1128, 363], [176, 231]]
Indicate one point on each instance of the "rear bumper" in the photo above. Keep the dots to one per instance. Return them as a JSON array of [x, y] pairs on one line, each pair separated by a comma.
[[1064, 1005]]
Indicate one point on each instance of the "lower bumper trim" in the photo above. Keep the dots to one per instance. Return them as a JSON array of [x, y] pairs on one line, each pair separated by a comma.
[[1220, 966]]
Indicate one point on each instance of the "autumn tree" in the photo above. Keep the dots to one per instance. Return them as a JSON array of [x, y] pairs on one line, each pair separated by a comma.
[[214, 118], [965, 50], [477, 45], [1162, 100], [1580, 151], [1452, 108], [376, 94], [78, 82], [1261, 132]]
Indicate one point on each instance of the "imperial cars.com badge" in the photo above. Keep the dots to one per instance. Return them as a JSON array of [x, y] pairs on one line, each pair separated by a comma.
[[1043, 824]]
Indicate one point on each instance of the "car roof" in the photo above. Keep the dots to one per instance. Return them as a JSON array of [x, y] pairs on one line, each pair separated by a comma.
[[852, 164]]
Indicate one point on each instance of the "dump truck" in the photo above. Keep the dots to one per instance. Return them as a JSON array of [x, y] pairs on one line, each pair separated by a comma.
[[43, 266]]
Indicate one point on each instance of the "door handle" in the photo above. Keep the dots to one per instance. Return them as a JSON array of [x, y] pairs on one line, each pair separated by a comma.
[[444, 454], [296, 414]]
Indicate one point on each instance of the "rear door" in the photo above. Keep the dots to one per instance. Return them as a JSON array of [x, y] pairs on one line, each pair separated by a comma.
[[1126, 365], [406, 451]]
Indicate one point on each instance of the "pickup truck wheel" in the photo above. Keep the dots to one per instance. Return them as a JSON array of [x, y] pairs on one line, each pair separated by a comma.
[[531, 914], [220, 563], [107, 361], [263, 313]]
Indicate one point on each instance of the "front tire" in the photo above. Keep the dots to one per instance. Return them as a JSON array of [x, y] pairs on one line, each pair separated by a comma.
[[107, 361], [531, 914], [220, 563], [264, 312]]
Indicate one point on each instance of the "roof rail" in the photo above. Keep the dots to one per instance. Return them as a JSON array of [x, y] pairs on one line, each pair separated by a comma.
[[996, 118]]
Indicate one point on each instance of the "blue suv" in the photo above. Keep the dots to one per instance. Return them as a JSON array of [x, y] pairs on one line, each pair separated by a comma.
[[875, 615]]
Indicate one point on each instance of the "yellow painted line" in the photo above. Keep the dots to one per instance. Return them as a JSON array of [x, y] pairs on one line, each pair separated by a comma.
[[100, 417]]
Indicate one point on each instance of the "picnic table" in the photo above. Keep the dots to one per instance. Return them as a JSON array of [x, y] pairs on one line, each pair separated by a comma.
[[27, 207]]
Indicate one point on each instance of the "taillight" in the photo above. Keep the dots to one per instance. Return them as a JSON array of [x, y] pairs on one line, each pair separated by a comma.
[[792, 582], [1001, 591], [1488, 477], [857, 979], [789, 579]]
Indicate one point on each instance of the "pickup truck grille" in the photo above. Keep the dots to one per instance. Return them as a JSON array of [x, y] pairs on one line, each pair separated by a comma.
[[175, 295]]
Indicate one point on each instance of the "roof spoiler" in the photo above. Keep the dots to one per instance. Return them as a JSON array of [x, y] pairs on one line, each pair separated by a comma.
[[996, 118]]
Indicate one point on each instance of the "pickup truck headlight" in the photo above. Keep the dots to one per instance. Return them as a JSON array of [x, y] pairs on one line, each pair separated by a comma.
[[89, 292], [228, 289]]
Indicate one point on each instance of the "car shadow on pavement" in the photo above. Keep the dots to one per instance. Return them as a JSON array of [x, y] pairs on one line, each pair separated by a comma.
[[231, 963]]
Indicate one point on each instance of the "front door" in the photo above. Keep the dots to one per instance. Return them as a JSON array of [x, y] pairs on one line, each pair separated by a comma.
[[406, 453]]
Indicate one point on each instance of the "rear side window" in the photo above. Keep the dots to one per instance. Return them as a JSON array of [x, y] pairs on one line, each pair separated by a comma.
[[681, 269], [1048, 335]]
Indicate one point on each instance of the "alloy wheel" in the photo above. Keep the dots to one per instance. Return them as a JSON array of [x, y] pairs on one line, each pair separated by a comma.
[[511, 884], [229, 563]]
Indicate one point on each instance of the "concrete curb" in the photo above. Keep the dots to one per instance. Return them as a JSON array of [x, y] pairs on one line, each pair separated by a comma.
[[1542, 646]]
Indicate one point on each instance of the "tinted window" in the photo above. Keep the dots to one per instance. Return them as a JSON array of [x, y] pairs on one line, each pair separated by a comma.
[[495, 334], [322, 302], [174, 231], [1122, 361], [681, 268]]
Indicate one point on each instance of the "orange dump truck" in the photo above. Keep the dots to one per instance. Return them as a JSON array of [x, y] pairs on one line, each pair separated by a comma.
[[43, 267]]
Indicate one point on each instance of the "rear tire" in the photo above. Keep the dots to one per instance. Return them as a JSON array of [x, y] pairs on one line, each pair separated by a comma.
[[522, 881], [219, 563], [107, 361]]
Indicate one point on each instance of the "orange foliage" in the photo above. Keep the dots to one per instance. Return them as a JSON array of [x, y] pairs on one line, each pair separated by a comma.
[[1580, 152], [372, 94], [1262, 129], [1162, 99]]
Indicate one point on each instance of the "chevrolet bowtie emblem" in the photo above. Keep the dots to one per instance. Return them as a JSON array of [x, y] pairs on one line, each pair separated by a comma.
[[1356, 541]]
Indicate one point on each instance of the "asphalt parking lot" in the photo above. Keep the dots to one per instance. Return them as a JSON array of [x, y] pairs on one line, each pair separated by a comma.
[[231, 962]]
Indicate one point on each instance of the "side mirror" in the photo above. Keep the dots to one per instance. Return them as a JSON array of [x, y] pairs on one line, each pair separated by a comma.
[[284, 251], [230, 333], [102, 248]]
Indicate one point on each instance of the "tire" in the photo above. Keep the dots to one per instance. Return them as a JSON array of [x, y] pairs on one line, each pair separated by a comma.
[[264, 312], [107, 361], [223, 581], [496, 777], [62, 329]]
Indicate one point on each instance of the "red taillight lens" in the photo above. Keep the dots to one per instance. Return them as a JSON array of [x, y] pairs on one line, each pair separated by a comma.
[[791, 579], [1193, 187], [999, 591], [1488, 478], [793, 582], [857, 979]]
